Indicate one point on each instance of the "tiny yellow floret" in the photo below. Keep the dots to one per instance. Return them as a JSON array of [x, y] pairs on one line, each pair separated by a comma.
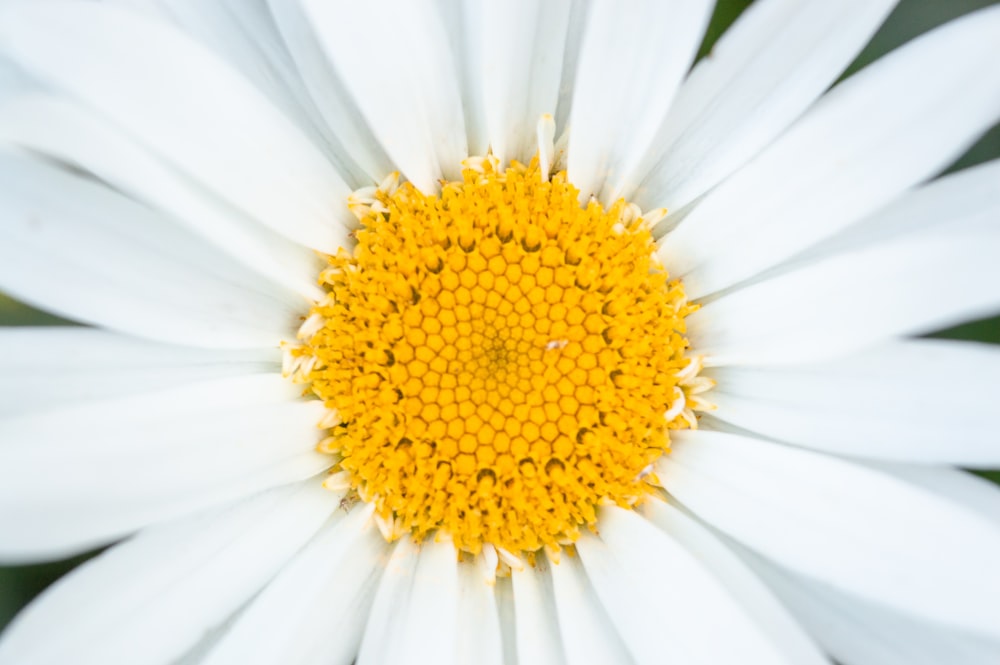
[[498, 359]]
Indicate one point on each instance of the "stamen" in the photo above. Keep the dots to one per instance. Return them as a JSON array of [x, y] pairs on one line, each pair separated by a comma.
[[678, 406], [490, 560]]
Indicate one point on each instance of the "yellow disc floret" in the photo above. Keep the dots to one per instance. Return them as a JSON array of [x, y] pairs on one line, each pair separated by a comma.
[[497, 359]]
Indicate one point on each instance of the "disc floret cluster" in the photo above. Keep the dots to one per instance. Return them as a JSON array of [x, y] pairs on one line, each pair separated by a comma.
[[497, 360]]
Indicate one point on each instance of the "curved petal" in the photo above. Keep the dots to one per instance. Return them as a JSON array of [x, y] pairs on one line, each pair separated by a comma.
[[588, 634], [923, 401], [856, 528], [151, 598], [82, 476], [362, 158], [68, 131], [522, 53], [537, 629], [14, 81], [315, 609], [414, 617], [93, 255], [975, 494], [388, 611], [508, 624], [628, 73], [851, 301], [200, 124], [243, 33], [858, 632], [479, 638], [666, 604], [431, 626], [579, 14], [762, 74], [407, 88], [467, 30], [53, 367], [851, 154], [784, 633], [196, 654], [961, 201]]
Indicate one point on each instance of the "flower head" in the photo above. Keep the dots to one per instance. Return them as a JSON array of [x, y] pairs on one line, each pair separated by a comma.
[[496, 332]]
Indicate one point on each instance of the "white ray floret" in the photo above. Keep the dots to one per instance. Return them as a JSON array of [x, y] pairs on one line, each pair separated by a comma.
[[154, 456], [869, 157], [278, 178], [904, 400], [292, 619], [761, 75], [857, 528], [149, 600]]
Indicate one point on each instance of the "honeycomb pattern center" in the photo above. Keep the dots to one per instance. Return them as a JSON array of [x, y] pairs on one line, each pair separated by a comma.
[[497, 360]]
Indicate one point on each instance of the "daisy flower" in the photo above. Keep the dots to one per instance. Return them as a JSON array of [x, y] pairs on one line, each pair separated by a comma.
[[497, 332]]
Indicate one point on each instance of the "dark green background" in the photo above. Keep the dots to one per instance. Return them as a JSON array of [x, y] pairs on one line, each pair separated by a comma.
[[18, 585]]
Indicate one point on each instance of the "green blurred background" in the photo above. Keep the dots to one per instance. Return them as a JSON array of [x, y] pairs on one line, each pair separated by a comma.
[[18, 585]]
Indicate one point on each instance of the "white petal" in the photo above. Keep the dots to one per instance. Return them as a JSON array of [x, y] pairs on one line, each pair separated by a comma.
[[479, 639], [535, 615], [925, 401], [851, 301], [93, 255], [851, 154], [632, 59], [14, 81], [857, 632], [854, 527], [959, 202], [214, 127], [151, 598], [397, 62], [785, 634], [196, 654], [414, 618], [243, 33], [522, 54], [973, 493], [666, 604], [339, 132], [467, 30], [431, 625], [82, 476], [588, 634], [578, 16], [362, 157], [508, 622], [388, 612], [316, 608], [767, 68], [54, 367], [68, 131]]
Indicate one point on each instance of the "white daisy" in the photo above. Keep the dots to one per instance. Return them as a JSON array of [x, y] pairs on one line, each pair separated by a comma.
[[490, 442]]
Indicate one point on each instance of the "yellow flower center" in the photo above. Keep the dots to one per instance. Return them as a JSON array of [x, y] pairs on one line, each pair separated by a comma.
[[497, 360]]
